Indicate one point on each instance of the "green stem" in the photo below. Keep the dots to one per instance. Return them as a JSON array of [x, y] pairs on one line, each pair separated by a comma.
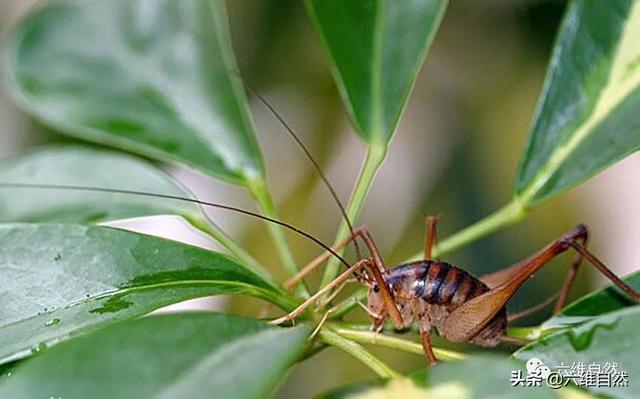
[[373, 338], [230, 245], [356, 350], [534, 332], [372, 162], [505, 216], [261, 194]]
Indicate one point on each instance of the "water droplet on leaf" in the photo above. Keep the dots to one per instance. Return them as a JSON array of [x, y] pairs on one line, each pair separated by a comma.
[[41, 347], [52, 322]]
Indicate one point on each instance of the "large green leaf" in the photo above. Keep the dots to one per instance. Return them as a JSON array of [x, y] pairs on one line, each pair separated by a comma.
[[376, 48], [480, 377], [63, 279], [81, 166], [171, 356], [612, 337], [587, 114], [155, 77]]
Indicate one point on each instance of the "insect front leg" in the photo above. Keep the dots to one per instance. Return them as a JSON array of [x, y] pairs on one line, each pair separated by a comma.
[[391, 307], [311, 300]]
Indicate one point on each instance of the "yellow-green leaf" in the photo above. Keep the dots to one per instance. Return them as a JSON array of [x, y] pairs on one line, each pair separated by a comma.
[[587, 116]]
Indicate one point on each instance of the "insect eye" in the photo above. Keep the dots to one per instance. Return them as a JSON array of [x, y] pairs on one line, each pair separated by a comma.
[[376, 288]]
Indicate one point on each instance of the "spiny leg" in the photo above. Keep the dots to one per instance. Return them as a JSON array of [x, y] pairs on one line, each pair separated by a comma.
[[431, 236], [468, 319]]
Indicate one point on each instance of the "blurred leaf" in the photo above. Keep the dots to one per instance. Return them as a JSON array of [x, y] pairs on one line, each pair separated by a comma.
[[587, 115], [480, 377], [192, 355], [60, 280], [154, 77], [609, 338], [82, 166], [595, 304], [376, 48]]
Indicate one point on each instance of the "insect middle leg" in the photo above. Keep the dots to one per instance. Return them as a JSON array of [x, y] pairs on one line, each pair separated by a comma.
[[425, 339]]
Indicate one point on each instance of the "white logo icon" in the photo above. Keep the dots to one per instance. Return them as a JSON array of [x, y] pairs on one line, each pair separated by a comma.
[[536, 368]]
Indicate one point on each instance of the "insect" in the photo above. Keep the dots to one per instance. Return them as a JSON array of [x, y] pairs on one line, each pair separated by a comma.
[[433, 294]]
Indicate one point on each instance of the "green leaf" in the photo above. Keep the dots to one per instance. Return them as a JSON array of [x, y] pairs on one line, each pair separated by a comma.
[[609, 338], [82, 166], [157, 78], [376, 48], [193, 355], [587, 116], [61, 280], [594, 304], [480, 377]]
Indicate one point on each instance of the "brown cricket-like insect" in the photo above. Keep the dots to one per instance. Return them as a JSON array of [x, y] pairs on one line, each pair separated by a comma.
[[461, 307]]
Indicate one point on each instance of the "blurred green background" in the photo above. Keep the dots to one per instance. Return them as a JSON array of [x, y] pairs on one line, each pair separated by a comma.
[[455, 153]]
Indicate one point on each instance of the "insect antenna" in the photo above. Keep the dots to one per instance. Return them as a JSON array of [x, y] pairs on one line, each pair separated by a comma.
[[315, 164], [180, 198]]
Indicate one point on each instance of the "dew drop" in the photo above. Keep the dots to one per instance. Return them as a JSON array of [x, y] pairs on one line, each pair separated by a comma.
[[41, 347], [52, 322], [9, 374]]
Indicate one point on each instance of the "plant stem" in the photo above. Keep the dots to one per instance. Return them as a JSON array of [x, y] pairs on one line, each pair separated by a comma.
[[373, 338], [230, 245], [260, 192], [375, 155], [534, 332], [356, 350], [505, 216]]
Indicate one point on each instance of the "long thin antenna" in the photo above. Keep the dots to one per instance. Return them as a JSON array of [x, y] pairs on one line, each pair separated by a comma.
[[178, 198], [315, 165]]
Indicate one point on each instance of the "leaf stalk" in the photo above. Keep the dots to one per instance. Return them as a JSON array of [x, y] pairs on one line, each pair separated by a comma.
[[375, 156], [356, 350]]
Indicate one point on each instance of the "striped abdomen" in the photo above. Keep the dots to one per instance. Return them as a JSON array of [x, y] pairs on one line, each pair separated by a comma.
[[435, 282]]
